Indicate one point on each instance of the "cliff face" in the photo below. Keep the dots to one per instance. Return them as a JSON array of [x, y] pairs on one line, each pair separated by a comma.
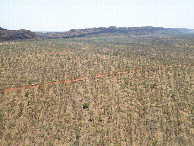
[[9, 35]]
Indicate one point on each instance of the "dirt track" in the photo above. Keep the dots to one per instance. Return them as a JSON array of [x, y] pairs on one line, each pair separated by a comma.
[[84, 78]]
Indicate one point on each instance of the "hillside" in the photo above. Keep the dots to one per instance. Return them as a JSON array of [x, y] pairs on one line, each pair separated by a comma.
[[10, 35]]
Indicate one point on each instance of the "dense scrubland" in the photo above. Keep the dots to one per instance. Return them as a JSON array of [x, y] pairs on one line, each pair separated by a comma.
[[151, 104]]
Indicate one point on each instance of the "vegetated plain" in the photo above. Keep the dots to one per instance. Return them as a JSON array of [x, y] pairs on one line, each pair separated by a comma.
[[151, 105]]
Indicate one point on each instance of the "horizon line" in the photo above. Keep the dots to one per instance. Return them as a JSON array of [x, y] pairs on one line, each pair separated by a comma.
[[97, 27]]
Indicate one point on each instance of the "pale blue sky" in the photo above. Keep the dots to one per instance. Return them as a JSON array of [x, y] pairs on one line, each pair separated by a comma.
[[62, 15]]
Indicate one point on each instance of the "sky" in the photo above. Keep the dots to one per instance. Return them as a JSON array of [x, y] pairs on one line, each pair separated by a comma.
[[63, 15]]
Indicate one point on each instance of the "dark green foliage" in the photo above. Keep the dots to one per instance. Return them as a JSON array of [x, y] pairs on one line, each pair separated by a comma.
[[154, 143], [85, 105]]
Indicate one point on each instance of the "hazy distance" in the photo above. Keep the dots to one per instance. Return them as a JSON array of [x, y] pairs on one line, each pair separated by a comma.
[[63, 15]]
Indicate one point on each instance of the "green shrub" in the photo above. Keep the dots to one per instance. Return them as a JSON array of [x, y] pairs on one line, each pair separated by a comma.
[[85, 105], [154, 143]]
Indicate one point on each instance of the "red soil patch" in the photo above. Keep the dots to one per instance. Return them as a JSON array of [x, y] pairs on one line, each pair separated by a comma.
[[110, 75]]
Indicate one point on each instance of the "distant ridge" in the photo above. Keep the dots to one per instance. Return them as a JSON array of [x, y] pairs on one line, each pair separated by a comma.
[[112, 30], [22, 34], [10, 35], [2, 28]]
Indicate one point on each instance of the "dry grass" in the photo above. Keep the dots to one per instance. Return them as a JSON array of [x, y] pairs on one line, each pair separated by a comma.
[[146, 107]]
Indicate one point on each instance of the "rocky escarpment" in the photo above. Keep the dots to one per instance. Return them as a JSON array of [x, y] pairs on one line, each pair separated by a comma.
[[10, 35]]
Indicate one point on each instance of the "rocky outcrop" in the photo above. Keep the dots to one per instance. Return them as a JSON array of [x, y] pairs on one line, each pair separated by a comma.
[[10, 35]]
